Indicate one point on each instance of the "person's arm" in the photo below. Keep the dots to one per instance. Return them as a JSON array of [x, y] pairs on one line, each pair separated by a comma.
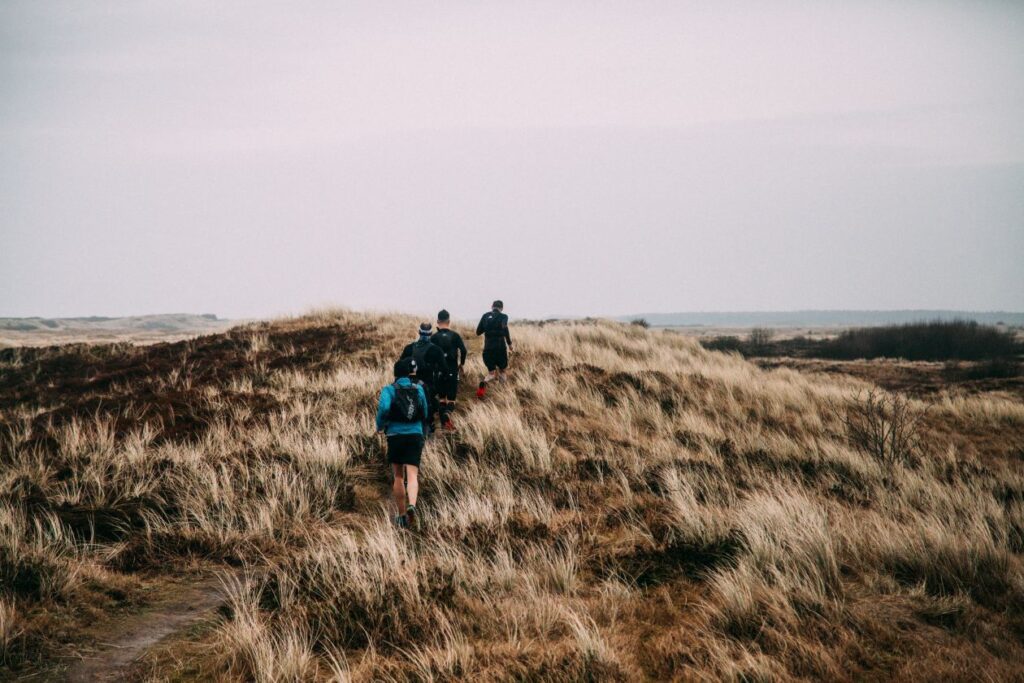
[[383, 406], [508, 337], [461, 348], [425, 407], [406, 352], [480, 325]]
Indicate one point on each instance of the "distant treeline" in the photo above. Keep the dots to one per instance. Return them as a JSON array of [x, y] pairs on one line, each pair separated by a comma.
[[792, 319], [937, 340]]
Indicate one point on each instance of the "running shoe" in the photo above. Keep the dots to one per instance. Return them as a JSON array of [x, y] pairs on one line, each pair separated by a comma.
[[412, 517]]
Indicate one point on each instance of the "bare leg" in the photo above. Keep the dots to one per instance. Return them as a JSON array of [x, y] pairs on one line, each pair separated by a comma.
[[398, 488], [412, 485]]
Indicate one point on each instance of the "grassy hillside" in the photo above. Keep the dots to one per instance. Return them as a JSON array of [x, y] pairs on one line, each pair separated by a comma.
[[629, 506]]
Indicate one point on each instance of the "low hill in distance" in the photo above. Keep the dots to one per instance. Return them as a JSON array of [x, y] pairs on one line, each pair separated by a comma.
[[821, 318], [142, 328]]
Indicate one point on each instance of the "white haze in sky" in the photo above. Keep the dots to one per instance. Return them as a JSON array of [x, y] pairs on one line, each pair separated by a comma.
[[250, 158]]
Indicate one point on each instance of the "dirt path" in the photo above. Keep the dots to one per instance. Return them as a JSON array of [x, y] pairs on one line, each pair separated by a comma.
[[123, 642]]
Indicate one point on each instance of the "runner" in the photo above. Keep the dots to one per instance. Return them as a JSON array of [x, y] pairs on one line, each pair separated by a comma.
[[401, 415], [430, 364], [497, 343], [454, 348]]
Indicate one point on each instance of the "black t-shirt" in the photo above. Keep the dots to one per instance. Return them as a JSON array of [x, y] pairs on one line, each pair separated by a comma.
[[451, 343], [432, 357], [494, 326]]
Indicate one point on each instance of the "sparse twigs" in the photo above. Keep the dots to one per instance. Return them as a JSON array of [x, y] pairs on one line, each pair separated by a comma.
[[885, 425], [759, 339]]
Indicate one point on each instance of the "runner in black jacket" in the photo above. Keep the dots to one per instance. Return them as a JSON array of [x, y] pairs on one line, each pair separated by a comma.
[[497, 343], [455, 353], [430, 365]]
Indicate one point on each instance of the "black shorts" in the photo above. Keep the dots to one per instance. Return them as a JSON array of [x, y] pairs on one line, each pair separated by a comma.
[[448, 385], [496, 358], [405, 449]]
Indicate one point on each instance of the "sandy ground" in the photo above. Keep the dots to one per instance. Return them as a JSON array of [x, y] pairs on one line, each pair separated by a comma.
[[122, 642]]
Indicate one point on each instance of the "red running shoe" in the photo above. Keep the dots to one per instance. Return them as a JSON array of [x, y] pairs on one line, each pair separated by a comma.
[[482, 390], [449, 426]]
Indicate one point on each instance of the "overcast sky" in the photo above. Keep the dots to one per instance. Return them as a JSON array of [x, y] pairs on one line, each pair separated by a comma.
[[252, 159]]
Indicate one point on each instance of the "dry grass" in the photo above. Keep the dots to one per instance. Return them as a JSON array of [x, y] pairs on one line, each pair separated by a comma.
[[629, 506]]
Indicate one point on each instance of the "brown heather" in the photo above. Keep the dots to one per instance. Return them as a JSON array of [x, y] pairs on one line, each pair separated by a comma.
[[630, 506]]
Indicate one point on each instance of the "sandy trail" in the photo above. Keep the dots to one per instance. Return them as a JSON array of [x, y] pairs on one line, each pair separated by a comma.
[[128, 639]]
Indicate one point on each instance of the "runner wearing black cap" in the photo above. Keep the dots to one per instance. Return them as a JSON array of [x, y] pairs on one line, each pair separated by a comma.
[[449, 341], [430, 364], [497, 343]]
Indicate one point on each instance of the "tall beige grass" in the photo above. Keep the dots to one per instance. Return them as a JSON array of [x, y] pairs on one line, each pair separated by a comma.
[[628, 506]]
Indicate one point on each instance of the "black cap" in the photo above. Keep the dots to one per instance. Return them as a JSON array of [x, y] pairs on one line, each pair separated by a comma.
[[443, 316], [497, 304], [405, 367]]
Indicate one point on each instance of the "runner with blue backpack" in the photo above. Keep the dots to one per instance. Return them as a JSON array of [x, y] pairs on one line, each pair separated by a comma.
[[402, 414]]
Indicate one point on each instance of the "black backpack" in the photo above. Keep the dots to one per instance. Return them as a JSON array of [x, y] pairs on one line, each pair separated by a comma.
[[443, 340], [405, 405], [493, 326], [425, 370]]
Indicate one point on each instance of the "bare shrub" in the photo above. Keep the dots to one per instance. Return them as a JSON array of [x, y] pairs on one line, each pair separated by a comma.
[[887, 426], [759, 339]]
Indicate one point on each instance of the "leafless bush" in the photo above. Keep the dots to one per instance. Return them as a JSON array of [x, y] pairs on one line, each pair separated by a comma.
[[885, 425], [759, 339]]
